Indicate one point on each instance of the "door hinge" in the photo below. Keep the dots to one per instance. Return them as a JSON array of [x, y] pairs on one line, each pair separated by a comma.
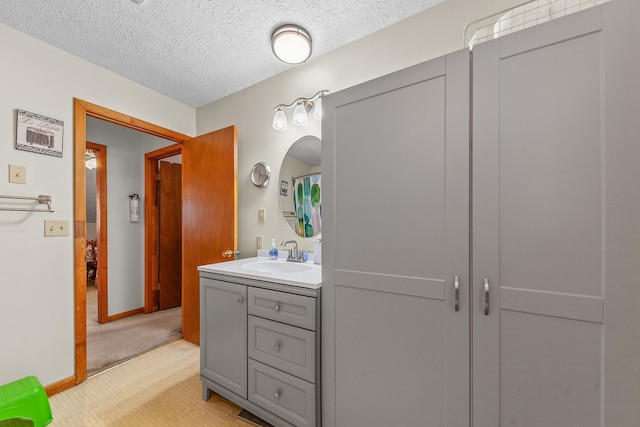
[[157, 287], [158, 177]]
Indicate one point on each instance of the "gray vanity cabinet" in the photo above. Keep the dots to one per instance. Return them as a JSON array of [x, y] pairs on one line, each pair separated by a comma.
[[223, 343], [259, 347], [543, 330]]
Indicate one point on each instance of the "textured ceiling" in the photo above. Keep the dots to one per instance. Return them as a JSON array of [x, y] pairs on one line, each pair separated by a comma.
[[197, 51]]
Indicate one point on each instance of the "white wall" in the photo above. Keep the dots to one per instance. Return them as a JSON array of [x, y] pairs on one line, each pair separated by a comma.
[[125, 175], [37, 273], [428, 35]]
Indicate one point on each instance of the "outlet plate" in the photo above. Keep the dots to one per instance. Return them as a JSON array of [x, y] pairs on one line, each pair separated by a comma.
[[56, 228], [17, 174], [259, 242]]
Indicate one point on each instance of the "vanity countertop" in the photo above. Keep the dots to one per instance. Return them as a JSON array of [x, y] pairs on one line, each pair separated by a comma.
[[306, 275]]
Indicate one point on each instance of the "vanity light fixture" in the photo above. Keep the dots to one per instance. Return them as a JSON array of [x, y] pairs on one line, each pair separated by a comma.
[[291, 43], [301, 112]]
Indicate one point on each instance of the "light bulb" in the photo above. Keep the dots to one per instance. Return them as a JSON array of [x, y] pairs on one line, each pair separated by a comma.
[[317, 109], [300, 115], [279, 120]]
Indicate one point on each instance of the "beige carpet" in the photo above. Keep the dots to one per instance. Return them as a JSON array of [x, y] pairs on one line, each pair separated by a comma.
[[160, 388], [109, 344]]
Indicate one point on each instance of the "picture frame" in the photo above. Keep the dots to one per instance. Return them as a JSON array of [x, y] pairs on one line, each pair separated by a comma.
[[39, 134], [284, 188]]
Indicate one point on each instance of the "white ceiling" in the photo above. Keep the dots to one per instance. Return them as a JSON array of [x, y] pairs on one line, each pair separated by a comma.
[[197, 51]]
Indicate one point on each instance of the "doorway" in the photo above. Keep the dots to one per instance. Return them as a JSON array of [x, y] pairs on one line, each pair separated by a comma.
[[96, 225], [82, 110], [163, 252], [209, 227]]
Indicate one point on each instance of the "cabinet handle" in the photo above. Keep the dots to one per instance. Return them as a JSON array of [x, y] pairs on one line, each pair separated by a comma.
[[241, 299], [276, 347], [276, 307], [277, 394], [486, 296], [456, 293]]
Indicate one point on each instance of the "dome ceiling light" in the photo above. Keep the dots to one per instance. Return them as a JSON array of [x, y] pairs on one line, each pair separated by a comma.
[[291, 44]]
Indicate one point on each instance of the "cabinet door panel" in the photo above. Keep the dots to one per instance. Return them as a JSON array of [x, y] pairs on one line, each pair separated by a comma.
[[538, 226], [390, 359], [550, 373], [395, 158], [224, 320]]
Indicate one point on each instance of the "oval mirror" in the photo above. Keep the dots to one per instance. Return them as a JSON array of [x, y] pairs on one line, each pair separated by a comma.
[[300, 184]]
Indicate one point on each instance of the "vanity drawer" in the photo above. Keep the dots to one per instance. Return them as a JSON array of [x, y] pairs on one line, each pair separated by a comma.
[[293, 309], [285, 347], [290, 398]]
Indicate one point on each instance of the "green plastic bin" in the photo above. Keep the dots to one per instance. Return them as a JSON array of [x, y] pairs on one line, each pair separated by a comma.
[[25, 399]]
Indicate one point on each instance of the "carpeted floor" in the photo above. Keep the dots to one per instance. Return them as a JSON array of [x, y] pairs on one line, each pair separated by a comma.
[[112, 343], [160, 388]]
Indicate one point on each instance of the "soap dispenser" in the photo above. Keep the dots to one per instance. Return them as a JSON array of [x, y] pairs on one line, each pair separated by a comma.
[[273, 252], [317, 251]]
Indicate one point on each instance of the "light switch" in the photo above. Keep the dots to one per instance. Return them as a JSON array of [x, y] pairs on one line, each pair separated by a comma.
[[56, 228], [261, 215], [17, 174], [259, 242]]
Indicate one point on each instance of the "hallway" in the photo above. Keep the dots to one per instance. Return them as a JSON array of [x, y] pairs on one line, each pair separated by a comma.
[[112, 343]]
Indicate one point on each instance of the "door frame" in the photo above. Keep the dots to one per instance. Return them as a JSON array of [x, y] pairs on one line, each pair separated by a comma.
[[152, 211], [102, 278], [83, 109]]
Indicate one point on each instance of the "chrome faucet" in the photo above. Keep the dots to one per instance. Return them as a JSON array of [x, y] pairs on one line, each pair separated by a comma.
[[293, 253]]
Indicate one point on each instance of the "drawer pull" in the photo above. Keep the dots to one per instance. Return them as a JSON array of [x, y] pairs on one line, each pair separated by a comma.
[[276, 307], [241, 299], [277, 394], [276, 347]]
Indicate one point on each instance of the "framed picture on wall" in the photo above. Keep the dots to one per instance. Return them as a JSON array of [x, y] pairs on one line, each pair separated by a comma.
[[39, 134], [284, 188]]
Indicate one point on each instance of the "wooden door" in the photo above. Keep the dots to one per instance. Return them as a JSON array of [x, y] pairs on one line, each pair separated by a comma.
[[550, 209], [395, 158], [209, 213], [170, 235]]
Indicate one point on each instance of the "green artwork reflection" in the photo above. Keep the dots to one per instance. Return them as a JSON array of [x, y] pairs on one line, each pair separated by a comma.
[[308, 205]]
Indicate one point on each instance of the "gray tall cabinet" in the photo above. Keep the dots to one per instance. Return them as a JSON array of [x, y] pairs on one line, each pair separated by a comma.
[[481, 225]]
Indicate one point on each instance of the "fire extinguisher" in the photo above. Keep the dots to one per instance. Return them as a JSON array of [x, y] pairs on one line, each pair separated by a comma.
[[134, 208]]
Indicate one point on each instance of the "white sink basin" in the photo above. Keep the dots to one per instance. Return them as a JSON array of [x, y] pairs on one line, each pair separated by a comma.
[[307, 275], [276, 267]]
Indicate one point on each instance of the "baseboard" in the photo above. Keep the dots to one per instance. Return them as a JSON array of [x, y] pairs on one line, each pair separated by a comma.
[[125, 314], [60, 386]]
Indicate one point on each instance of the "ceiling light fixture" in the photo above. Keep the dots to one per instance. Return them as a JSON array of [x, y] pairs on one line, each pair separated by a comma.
[[301, 112], [90, 160], [291, 44]]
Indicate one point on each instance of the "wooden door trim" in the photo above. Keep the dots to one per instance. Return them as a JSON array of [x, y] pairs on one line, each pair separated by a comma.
[[151, 221], [82, 109], [102, 277]]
